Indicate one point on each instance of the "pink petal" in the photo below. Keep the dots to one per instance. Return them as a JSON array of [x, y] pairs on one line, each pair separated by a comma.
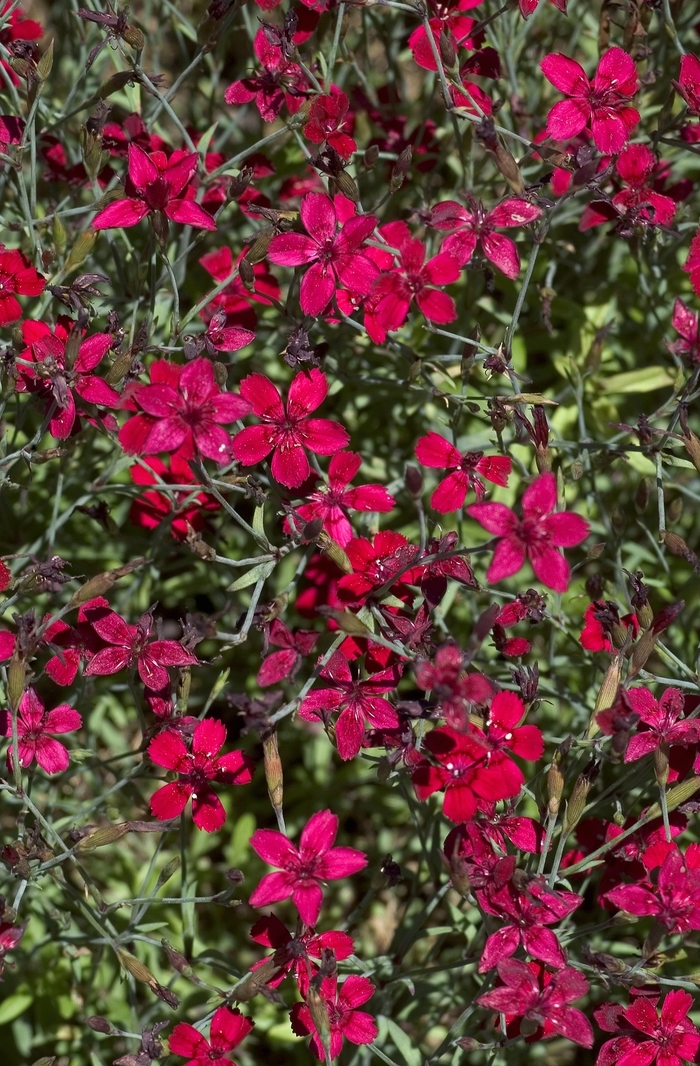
[[494, 517], [503, 253], [565, 529], [142, 170], [273, 847], [108, 661], [228, 1028], [63, 719], [170, 800], [292, 249], [500, 945], [567, 119], [437, 306], [120, 214], [318, 216], [189, 213], [550, 567], [308, 900], [208, 812], [565, 74], [508, 558], [209, 737], [434, 450], [263, 396], [272, 889], [51, 755], [168, 749], [306, 393], [187, 1041], [290, 465], [541, 496], [451, 493], [316, 289]]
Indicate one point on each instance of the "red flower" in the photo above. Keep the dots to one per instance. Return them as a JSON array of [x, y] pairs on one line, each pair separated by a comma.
[[536, 535], [129, 646], [303, 869], [433, 450], [285, 663], [527, 912], [640, 201], [332, 259], [503, 728], [332, 504], [676, 899], [478, 226], [600, 619], [187, 416], [10, 936], [669, 1038], [602, 103], [522, 996], [526, 9], [156, 183], [196, 768], [685, 322], [688, 84], [388, 556], [453, 689], [278, 82], [228, 1028], [344, 1020], [35, 727], [17, 275], [235, 299], [692, 264], [55, 377], [449, 19], [327, 117], [413, 279], [664, 719], [358, 702], [287, 431], [183, 508], [294, 952]]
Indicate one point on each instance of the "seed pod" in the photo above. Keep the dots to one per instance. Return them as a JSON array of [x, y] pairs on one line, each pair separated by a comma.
[[692, 446], [674, 797], [273, 770], [334, 552], [577, 802], [319, 1016], [98, 1024], [400, 169], [258, 249], [661, 764], [555, 782], [371, 156], [255, 981], [134, 37], [16, 677], [347, 186], [607, 693], [99, 838]]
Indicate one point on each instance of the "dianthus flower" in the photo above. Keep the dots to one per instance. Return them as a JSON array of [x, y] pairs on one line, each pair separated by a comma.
[[294, 952], [156, 184], [35, 729], [182, 509], [527, 911], [327, 119], [331, 504], [676, 900], [688, 84], [228, 1028], [131, 646], [17, 276], [601, 103], [536, 535], [478, 226], [521, 995], [278, 82], [664, 719], [304, 868], [639, 201], [288, 431], [668, 1038], [344, 1020], [445, 17], [686, 324], [285, 663], [196, 769], [433, 450]]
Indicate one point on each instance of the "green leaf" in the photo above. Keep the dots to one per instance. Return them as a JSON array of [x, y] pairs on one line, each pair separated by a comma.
[[409, 1053], [13, 1006], [647, 380], [262, 570]]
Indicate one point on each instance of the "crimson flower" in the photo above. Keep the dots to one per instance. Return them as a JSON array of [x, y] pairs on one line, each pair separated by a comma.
[[294, 952], [156, 183], [332, 504], [413, 279], [327, 118], [527, 912], [521, 994], [129, 646], [35, 727], [344, 1020], [378, 562], [601, 618], [436, 574], [303, 869], [602, 103], [287, 431], [196, 768], [10, 936], [450, 19], [447, 682], [221, 338], [183, 509], [688, 84], [286, 662], [358, 702], [686, 324], [478, 226], [17, 276], [668, 1037], [504, 729], [468, 770], [433, 450], [228, 1028], [332, 258], [635, 165], [676, 901], [526, 9], [664, 718], [187, 416], [279, 82], [55, 375], [536, 535]]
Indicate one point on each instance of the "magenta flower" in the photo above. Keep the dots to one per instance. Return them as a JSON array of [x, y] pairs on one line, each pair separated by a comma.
[[156, 183], [295, 952], [675, 902], [188, 418], [35, 729], [228, 1028], [328, 116], [344, 1019], [10, 936], [601, 103], [129, 646], [287, 431], [478, 226], [686, 324], [303, 869], [17, 276], [688, 84], [332, 504], [279, 81], [526, 9], [536, 535], [55, 381], [358, 703], [332, 258], [521, 995], [527, 912], [669, 1038], [196, 769], [664, 718], [448, 18], [433, 450], [639, 201], [285, 663]]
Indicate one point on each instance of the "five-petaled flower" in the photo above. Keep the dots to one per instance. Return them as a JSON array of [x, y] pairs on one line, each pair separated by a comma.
[[687, 326], [433, 450], [647, 1035], [35, 732], [601, 103], [331, 504], [129, 646], [196, 768], [664, 721], [331, 258], [327, 118], [10, 936], [675, 902], [156, 184], [287, 430], [17, 278], [303, 869], [344, 1020], [478, 226], [521, 995], [295, 952], [537, 535], [228, 1028]]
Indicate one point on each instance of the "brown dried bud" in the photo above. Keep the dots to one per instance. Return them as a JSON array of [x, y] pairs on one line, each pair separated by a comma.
[[98, 1024], [413, 479], [134, 37], [400, 169], [239, 184], [677, 546], [555, 782], [346, 185], [273, 770], [447, 51], [258, 249], [371, 156], [692, 446]]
